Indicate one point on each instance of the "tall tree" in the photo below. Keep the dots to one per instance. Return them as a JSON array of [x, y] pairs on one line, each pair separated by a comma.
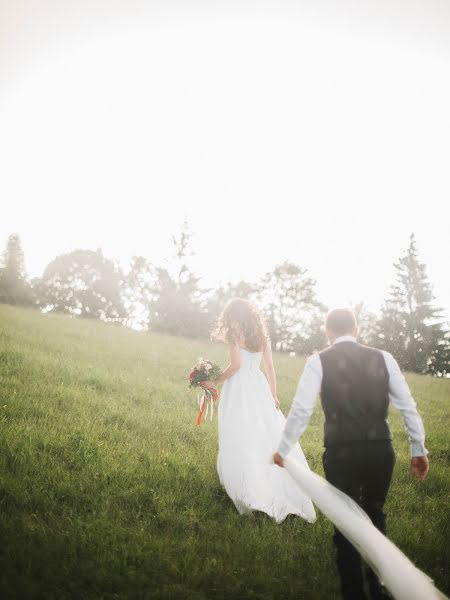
[[82, 283], [14, 287], [289, 299], [176, 307], [410, 326]]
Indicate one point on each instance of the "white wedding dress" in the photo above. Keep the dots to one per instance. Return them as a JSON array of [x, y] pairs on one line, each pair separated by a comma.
[[250, 428]]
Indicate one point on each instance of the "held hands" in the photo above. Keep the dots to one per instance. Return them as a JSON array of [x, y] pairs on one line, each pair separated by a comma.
[[420, 466]]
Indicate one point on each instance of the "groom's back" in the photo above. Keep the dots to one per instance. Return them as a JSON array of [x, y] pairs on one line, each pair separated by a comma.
[[354, 394]]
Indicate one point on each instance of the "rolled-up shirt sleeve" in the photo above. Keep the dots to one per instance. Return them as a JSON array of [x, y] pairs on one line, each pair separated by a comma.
[[400, 397], [303, 404]]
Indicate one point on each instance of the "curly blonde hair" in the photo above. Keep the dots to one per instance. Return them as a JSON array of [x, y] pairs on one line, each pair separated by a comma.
[[242, 323]]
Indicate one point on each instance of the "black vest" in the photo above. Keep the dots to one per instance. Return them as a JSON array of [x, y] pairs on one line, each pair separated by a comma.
[[354, 394]]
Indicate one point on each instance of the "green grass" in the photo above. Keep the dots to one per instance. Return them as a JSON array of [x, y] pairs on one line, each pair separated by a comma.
[[109, 490]]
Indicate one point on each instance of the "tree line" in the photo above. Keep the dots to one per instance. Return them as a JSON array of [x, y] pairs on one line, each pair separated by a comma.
[[170, 299]]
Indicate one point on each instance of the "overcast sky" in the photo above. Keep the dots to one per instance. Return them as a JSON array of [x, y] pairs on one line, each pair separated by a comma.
[[317, 132]]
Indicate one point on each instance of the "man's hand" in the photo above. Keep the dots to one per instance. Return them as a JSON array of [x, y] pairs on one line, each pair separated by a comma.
[[278, 459], [277, 403], [420, 466]]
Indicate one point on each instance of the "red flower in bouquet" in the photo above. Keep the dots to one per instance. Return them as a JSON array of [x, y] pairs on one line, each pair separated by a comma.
[[205, 370]]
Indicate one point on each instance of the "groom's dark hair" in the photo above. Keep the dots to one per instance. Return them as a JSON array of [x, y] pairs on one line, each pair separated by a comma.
[[341, 321]]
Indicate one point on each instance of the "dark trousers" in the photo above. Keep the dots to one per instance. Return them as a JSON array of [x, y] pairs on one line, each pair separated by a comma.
[[363, 470]]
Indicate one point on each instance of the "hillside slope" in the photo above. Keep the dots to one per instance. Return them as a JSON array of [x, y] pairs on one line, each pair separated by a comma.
[[108, 489]]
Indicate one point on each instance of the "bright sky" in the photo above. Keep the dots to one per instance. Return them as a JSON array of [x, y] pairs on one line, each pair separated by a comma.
[[315, 131]]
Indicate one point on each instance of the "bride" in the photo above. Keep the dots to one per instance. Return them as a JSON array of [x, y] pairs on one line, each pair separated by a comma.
[[250, 421]]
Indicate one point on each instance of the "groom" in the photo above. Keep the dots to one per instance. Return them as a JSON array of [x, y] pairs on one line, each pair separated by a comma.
[[355, 383]]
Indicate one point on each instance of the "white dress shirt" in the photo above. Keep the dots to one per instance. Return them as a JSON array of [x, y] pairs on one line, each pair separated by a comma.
[[310, 385]]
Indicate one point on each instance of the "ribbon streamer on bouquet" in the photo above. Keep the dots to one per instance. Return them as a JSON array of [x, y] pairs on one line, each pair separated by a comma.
[[398, 574], [206, 404]]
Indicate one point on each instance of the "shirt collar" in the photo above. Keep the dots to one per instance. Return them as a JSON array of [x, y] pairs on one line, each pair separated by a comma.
[[344, 338]]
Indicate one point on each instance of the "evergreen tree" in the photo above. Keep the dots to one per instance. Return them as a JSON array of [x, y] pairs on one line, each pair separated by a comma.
[[14, 287], [410, 326]]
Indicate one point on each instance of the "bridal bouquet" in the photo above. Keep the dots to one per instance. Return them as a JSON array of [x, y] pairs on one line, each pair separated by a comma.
[[204, 370]]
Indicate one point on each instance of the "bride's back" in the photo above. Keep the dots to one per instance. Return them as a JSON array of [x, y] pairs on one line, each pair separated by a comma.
[[250, 360]]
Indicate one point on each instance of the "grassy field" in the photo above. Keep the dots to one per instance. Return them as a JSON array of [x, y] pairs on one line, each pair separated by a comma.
[[109, 490]]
